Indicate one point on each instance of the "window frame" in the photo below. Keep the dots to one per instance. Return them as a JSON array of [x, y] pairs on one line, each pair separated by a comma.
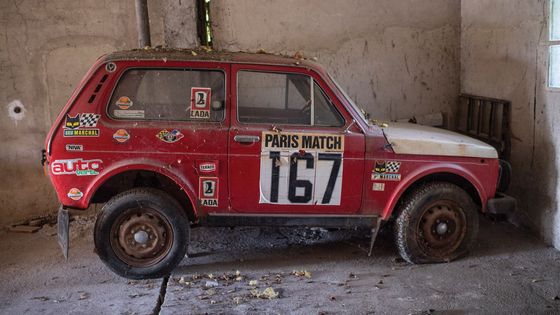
[[125, 70], [312, 97]]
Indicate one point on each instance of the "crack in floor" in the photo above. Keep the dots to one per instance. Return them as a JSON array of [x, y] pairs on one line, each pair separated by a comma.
[[161, 297]]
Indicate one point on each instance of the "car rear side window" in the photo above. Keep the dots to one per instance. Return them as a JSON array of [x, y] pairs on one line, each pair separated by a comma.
[[169, 94], [283, 98]]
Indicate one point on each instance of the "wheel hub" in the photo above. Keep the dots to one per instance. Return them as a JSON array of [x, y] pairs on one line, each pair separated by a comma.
[[141, 237], [441, 228]]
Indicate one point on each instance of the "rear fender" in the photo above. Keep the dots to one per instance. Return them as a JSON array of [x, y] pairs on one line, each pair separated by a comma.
[[141, 164]]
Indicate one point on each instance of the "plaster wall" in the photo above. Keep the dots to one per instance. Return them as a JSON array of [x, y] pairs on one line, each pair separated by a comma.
[[504, 54], [45, 49], [396, 59]]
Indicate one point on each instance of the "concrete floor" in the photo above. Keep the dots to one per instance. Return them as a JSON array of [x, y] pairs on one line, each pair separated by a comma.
[[509, 272]]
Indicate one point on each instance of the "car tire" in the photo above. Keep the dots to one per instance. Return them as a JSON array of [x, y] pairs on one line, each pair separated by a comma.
[[437, 222], [141, 233]]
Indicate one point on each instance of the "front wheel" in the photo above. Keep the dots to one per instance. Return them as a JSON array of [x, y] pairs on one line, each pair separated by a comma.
[[437, 222], [141, 233]]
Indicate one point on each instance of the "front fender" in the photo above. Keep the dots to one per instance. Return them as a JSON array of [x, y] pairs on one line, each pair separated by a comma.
[[431, 169]]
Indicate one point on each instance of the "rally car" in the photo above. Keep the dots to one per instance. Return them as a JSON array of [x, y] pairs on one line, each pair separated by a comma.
[[170, 139]]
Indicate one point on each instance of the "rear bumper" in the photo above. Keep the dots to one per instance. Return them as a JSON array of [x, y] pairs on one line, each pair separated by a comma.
[[501, 204]]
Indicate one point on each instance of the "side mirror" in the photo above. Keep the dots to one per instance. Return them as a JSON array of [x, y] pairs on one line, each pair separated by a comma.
[[217, 105]]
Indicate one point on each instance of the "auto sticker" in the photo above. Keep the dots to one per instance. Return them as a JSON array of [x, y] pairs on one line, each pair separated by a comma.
[[208, 191], [74, 147], [121, 135], [200, 102], [124, 102], [75, 194], [170, 136], [81, 125], [386, 170], [79, 167], [301, 168]]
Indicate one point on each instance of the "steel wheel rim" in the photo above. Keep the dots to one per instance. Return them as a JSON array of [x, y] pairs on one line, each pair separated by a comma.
[[442, 228], [141, 237]]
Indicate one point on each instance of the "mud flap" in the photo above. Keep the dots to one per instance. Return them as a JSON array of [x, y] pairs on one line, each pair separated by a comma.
[[63, 226]]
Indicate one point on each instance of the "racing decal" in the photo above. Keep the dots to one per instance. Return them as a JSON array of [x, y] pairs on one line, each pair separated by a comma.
[[137, 113], [79, 167], [88, 120], [121, 136], [207, 167], [200, 102], [386, 170], [111, 67], [170, 136], [378, 187], [74, 147], [72, 122], [124, 102], [208, 191], [301, 168], [74, 126], [75, 194]]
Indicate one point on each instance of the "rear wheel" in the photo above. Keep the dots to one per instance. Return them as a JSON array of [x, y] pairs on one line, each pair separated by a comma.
[[141, 233], [437, 222]]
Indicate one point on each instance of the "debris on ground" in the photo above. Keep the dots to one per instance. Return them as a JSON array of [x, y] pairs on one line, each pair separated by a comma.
[[83, 295], [302, 273], [556, 298], [267, 293], [253, 283], [211, 284]]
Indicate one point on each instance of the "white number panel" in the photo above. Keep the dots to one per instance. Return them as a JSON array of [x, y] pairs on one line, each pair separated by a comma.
[[301, 169]]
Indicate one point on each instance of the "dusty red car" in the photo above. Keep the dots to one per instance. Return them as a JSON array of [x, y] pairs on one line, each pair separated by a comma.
[[173, 138]]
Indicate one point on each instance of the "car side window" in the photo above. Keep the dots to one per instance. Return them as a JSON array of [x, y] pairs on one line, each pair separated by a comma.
[[169, 94], [283, 98]]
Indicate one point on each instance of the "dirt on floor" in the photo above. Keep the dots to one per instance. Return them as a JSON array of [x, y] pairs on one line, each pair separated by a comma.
[[281, 270]]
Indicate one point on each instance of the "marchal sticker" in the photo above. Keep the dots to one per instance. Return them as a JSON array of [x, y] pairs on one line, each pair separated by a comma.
[[170, 136], [75, 194], [77, 167], [386, 170], [124, 102], [81, 125], [208, 191], [121, 136], [74, 147], [200, 102]]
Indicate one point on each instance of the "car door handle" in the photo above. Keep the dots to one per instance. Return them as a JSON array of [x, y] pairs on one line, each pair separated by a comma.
[[246, 139]]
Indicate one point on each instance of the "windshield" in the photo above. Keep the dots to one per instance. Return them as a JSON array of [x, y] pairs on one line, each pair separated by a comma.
[[363, 114]]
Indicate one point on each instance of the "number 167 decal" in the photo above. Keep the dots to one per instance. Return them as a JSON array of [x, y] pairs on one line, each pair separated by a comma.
[[311, 178]]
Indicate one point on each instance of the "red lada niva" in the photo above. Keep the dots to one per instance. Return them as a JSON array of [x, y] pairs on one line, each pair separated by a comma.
[[173, 138]]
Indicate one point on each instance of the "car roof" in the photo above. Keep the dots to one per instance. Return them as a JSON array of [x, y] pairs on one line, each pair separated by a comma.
[[211, 55]]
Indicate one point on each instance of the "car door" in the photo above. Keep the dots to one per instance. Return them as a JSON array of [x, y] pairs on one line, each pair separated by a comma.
[[293, 148]]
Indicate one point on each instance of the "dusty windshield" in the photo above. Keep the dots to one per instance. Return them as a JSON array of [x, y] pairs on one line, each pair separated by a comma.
[[363, 114]]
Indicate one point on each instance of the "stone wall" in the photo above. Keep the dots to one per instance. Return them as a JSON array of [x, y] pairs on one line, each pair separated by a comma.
[[504, 54], [396, 59], [45, 49]]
